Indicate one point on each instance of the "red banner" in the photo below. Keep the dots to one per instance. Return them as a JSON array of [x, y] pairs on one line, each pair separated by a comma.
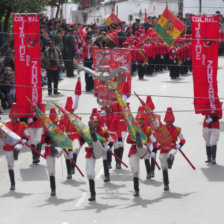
[[205, 63], [109, 60], [27, 61]]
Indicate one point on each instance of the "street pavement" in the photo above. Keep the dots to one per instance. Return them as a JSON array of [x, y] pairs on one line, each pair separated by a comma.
[[194, 196]]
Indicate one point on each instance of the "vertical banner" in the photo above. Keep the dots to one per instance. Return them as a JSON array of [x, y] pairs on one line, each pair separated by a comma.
[[109, 60], [205, 63], [27, 61]]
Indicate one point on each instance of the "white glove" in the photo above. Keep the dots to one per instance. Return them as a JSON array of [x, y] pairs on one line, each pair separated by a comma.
[[24, 141], [107, 147], [147, 63], [18, 147], [70, 155], [209, 120], [178, 146], [161, 57], [120, 144], [30, 120], [102, 113], [153, 155]]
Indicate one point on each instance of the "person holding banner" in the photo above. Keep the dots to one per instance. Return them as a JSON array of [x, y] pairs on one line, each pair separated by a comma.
[[74, 135], [35, 130], [53, 59], [95, 151], [12, 152], [138, 150], [211, 131], [51, 152], [167, 156]]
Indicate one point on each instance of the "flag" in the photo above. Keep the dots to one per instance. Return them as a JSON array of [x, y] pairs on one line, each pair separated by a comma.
[[27, 62], [162, 135], [80, 127], [112, 19], [205, 46], [169, 27], [145, 16], [55, 133], [130, 121], [8, 136]]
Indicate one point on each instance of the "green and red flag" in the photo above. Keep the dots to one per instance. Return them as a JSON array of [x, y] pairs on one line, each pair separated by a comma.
[[169, 27], [132, 124], [162, 134], [55, 133], [80, 127]]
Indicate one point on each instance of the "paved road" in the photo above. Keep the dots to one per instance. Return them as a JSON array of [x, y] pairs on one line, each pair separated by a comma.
[[194, 197]]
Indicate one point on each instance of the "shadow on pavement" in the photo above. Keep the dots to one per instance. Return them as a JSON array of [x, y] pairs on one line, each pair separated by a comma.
[[120, 175], [34, 173], [214, 173], [74, 183], [152, 182], [15, 194], [56, 201]]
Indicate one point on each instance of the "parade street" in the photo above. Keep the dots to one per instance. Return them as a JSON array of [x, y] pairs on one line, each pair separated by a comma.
[[195, 196]]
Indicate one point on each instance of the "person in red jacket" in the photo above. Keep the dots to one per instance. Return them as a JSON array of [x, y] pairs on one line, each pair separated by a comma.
[[211, 134], [74, 135], [96, 150], [167, 156], [35, 130], [51, 152], [11, 152], [150, 54], [138, 150]]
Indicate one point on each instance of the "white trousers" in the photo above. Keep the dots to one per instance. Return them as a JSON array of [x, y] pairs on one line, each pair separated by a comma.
[[10, 159], [164, 156], [123, 134], [211, 136], [90, 168], [76, 148], [134, 164], [50, 165]]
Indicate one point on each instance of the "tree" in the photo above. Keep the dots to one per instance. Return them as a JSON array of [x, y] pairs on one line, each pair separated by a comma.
[[59, 3]]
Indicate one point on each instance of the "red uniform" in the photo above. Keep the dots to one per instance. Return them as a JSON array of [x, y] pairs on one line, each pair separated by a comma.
[[19, 128], [215, 116], [174, 133]]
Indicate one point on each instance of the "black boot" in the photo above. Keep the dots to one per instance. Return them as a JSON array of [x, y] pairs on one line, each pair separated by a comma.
[[152, 168], [170, 161], [53, 186], [166, 180], [138, 140], [92, 190], [106, 171], [39, 145], [213, 152], [136, 186], [92, 131], [72, 165], [34, 154], [68, 166], [116, 152], [120, 155], [109, 159], [12, 180], [209, 154], [148, 169]]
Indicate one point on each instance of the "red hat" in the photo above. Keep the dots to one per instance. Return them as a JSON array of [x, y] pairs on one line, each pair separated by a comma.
[[125, 43], [14, 111], [150, 103], [141, 113], [140, 43], [53, 115], [169, 117], [95, 117], [95, 111], [78, 88], [69, 104], [43, 106]]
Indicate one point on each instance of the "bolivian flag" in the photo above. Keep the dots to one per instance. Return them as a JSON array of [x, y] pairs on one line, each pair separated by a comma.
[[169, 27], [112, 19]]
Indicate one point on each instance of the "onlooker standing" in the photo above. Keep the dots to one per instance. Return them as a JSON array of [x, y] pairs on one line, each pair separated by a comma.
[[53, 60], [121, 35], [69, 52]]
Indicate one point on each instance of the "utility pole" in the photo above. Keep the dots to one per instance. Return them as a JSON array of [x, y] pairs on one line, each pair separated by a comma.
[[200, 2]]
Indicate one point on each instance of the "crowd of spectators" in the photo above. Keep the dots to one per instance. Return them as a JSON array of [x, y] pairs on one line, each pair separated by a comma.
[[69, 39]]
